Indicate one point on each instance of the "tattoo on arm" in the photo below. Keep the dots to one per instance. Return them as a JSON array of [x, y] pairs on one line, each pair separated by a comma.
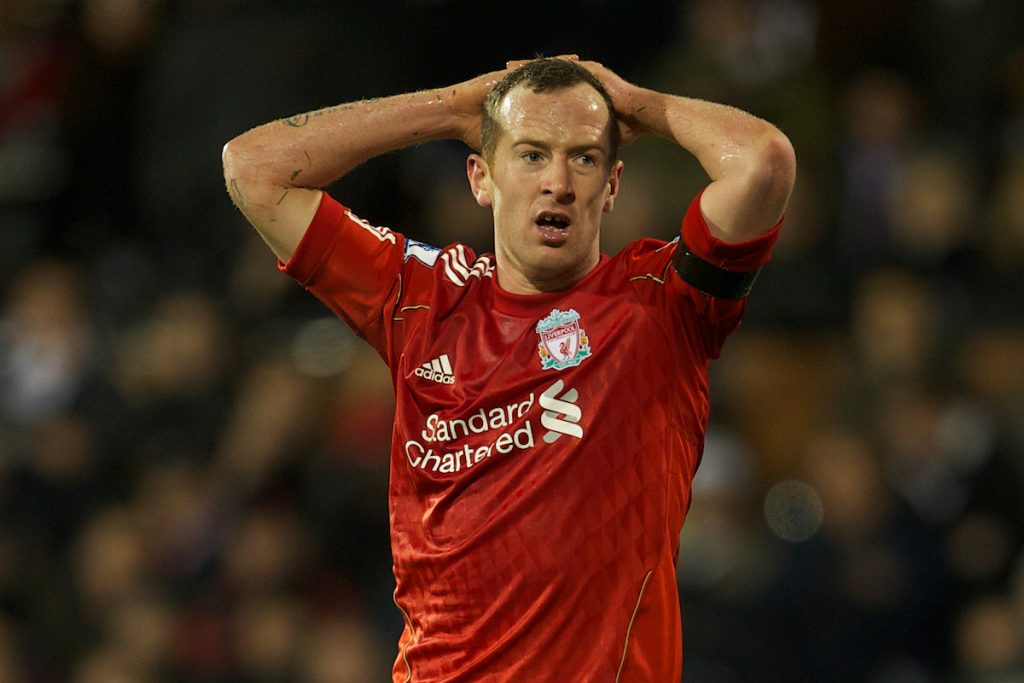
[[300, 120], [297, 121]]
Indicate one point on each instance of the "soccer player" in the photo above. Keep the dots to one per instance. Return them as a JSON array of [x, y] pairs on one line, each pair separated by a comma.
[[551, 400]]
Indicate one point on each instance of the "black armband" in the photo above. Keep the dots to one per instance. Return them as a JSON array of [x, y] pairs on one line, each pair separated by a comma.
[[709, 278]]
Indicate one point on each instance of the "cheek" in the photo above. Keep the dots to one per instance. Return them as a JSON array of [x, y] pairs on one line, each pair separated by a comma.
[[508, 206]]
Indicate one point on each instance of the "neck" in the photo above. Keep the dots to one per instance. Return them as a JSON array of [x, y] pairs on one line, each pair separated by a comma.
[[516, 281]]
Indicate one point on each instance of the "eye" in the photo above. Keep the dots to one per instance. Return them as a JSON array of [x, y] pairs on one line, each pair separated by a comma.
[[532, 157]]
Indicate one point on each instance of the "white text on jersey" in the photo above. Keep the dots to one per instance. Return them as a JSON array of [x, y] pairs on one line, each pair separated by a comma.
[[437, 370], [561, 416]]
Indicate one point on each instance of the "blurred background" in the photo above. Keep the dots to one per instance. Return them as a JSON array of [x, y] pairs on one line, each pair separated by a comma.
[[193, 452]]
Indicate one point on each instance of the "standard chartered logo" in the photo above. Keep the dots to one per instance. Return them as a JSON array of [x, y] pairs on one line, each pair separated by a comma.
[[561, 414], [453, 444]]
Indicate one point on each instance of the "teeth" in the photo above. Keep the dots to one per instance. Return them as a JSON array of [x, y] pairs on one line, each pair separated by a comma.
[[556, 221]]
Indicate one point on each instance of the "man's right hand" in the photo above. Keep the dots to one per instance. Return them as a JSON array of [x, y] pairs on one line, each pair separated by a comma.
[[465, 101]]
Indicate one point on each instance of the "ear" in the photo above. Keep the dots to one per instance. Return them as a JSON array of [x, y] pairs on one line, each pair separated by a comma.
[[612, 189], [479, 179]]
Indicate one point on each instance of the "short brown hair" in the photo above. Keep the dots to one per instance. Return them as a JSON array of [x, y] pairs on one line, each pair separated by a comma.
[[543, 74]]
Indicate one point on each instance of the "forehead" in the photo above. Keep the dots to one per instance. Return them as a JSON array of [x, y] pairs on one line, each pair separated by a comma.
[[578, 110]]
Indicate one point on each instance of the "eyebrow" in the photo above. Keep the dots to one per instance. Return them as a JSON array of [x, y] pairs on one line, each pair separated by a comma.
[[542, 145]]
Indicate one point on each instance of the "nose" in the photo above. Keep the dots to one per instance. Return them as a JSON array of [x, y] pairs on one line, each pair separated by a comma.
[[558, 181]]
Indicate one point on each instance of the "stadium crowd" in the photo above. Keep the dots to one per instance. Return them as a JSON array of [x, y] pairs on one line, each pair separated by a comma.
[[193, 452]]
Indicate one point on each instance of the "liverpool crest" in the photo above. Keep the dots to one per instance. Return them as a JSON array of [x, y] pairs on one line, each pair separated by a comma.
[[563, 343]]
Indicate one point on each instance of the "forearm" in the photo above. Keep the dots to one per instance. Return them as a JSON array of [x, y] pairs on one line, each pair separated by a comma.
[[750, 162], [273, 173], [311, 150], [723, 139]]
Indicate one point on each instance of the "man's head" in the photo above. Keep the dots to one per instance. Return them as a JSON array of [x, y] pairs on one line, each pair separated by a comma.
[[543, 75], [548, 171]]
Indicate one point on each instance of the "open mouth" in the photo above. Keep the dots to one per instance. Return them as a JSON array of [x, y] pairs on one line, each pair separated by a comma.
[[554, 228]]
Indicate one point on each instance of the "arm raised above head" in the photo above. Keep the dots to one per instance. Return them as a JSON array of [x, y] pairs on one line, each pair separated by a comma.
[[274, 172], [751, 163]]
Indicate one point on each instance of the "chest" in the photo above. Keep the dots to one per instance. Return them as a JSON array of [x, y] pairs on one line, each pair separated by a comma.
[[475, 355]]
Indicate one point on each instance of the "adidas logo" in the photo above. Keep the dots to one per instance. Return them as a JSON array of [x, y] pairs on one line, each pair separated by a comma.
[[437, 370]]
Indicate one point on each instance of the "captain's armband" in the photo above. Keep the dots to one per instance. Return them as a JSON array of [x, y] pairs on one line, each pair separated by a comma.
[[709, 278]]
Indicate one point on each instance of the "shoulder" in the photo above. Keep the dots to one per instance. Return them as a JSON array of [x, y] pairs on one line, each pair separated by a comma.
[[646, 258], [439, 278], [454, 265], [459, 265]]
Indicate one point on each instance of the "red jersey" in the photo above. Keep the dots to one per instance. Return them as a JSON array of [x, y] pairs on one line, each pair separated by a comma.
[[543, 449]]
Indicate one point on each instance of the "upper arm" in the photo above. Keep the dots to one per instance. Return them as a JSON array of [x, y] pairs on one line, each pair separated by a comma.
[[280, 213], [740, 206]]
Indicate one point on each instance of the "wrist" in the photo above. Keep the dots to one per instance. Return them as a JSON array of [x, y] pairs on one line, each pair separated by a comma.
[[463, 107], [641, 105]]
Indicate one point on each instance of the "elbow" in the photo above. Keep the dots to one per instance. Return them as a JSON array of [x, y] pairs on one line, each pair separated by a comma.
[[227, 154], [227, 160], [778, 163], [232, 161], [772, 174], [241, 177]]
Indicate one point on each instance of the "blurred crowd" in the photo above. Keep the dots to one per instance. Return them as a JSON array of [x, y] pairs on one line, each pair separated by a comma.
[[193, 452]]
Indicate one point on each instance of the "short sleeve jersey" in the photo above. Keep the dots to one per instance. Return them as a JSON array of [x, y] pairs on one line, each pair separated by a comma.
[[543, 448]]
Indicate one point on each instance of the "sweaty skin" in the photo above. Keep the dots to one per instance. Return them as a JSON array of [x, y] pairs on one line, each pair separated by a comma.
[[548, 180], [551, 165], [274, 171]]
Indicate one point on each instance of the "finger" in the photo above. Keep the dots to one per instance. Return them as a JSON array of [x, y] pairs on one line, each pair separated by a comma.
[[516, 63]]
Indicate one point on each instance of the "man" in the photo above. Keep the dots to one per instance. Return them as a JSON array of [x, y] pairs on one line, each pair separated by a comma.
[[551, 401]]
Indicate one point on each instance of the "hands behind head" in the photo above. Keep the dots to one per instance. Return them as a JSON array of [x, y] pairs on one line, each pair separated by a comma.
[[465, 100], [466, 103], [516, 63], [622, 94]]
